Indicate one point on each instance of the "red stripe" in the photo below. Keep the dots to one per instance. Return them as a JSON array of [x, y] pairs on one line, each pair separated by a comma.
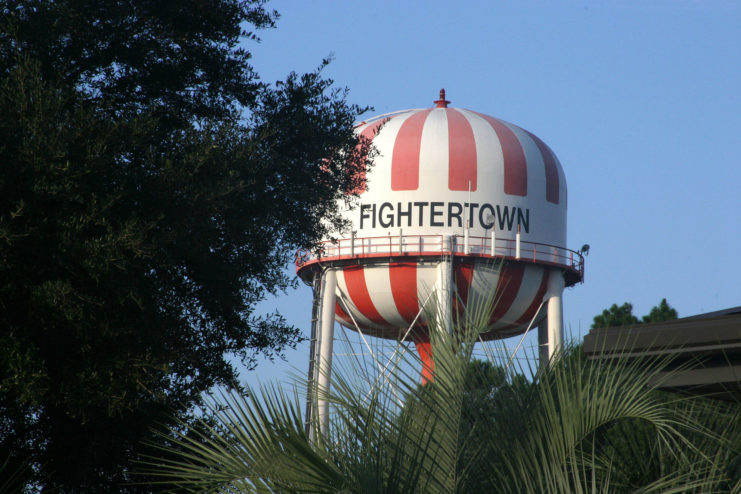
[[461, 152], [403, 277], [405, 157], [463, 276], [551, 169], [368, 133], [515, 164], [358, 291], [422, 343], [508, 286], [341, 314], [530, 312]]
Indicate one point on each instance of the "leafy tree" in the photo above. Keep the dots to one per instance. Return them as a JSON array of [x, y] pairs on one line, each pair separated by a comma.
[[623, 315], [661, 312], [616, 316], [152, 189], [490, 392]]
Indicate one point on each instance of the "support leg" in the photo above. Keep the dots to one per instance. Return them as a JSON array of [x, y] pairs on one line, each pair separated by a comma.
[[326, 340], [550, 331]]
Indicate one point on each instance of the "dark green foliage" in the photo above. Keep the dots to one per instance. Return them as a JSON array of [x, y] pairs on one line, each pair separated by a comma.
[[579, 426], [633, 447], [152, 189], [623, 315], [13, 474], [661, 312], [616, 316], [490, 394]]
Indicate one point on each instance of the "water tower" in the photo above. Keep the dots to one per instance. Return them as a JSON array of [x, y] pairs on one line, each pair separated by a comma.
[[450, 191]]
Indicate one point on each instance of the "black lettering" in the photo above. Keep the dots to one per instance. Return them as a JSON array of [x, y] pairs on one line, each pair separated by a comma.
[[421, 209], [389, 216], [505, 217], [471, 209], [524, 221], [434, 213], [483, 219], [456, 214], [363, 213], [407, 213]]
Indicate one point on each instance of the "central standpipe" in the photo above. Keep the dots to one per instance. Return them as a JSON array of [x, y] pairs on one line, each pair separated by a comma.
[[550, 330], [445, 284]]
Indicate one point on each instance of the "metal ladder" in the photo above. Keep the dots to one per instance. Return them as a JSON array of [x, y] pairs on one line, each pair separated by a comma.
[[311, 380]]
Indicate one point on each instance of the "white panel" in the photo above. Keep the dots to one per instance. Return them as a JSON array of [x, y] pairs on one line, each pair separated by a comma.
[[528, 290], [426, 279], [484, 282], [346, 302], [490, 167], [379, 286], [547, 220], [535, 166], [433, 158], [379, 176]]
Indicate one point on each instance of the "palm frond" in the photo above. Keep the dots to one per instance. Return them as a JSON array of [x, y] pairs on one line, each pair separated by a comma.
[[574, 426]]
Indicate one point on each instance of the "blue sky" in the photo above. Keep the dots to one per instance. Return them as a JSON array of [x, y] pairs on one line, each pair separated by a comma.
[[638, 99]]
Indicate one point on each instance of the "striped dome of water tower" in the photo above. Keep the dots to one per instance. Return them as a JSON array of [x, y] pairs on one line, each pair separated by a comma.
[[457, 185]]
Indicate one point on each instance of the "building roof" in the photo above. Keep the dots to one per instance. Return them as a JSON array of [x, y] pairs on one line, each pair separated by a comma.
[[704, 351]]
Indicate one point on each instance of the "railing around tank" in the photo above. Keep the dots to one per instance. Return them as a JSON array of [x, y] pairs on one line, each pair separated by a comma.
[[418, 245]]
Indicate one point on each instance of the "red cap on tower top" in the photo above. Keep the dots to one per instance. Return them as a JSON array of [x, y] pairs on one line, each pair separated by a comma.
[[442, 102]]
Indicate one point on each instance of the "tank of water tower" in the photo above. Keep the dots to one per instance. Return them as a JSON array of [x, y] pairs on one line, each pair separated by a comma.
[[457, 204]]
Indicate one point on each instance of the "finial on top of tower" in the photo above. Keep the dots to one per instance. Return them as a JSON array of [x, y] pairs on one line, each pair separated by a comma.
[[442, 102]]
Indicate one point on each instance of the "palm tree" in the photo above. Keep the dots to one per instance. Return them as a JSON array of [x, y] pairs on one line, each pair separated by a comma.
[[574, 426]]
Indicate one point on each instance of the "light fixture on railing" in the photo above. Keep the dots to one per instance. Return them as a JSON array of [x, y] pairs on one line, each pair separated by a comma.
[[584, 250]]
